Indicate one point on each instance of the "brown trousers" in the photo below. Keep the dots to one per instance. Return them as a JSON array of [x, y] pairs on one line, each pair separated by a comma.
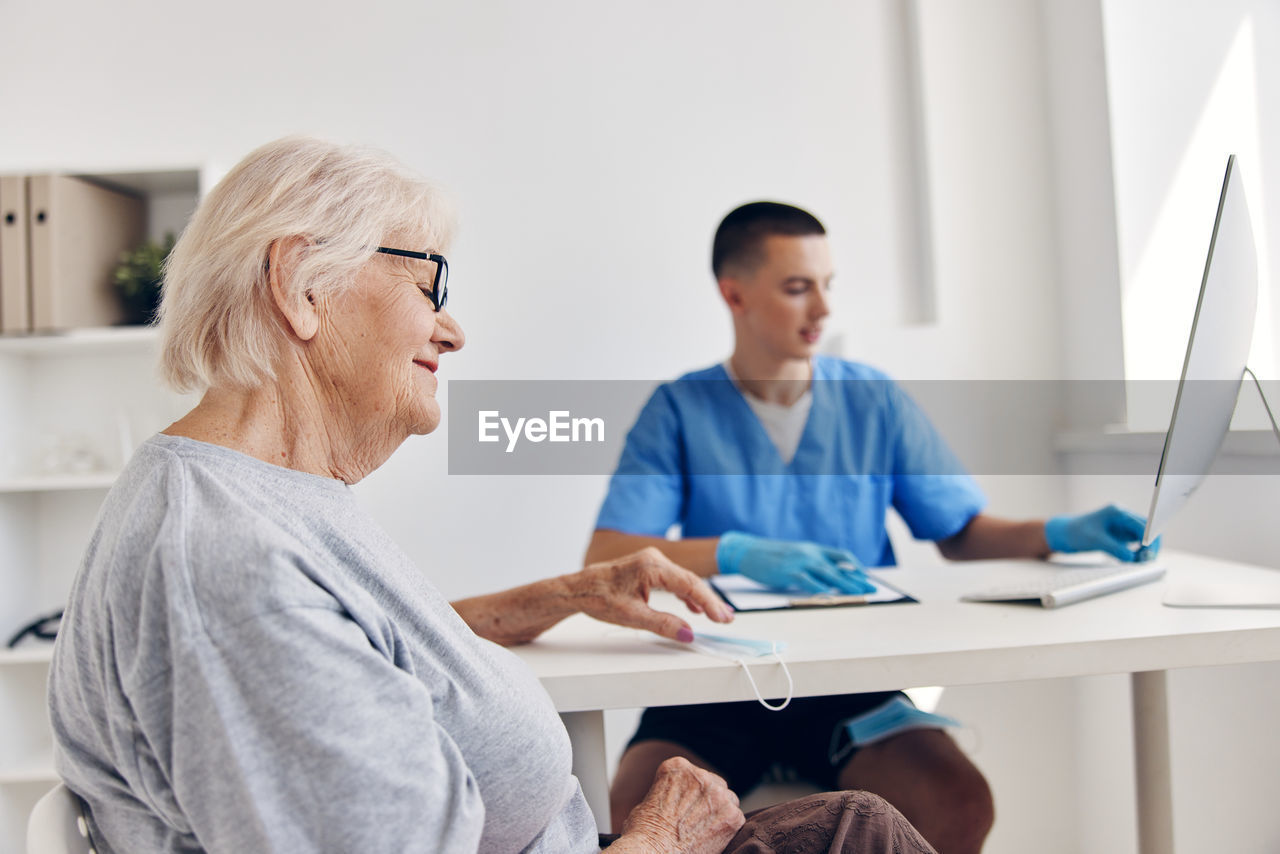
[[829, 823]]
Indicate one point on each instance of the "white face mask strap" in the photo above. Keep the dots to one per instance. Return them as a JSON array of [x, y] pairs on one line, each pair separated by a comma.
[[791, 688]]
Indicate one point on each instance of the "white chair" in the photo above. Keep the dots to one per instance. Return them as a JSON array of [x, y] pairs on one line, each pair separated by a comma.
[[57, 824]]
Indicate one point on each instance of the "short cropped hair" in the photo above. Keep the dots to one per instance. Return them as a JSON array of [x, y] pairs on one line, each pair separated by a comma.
[[739, 241], [217, 316]]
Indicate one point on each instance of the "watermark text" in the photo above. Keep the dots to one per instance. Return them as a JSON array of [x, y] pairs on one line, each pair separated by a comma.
[[558, 426]]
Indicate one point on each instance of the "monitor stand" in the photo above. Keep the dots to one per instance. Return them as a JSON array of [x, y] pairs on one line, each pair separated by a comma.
[[1260, 592], [1252, 587]]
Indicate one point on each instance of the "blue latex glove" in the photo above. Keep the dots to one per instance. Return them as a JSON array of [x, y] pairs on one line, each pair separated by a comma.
[[788, 565], [1110, 529]]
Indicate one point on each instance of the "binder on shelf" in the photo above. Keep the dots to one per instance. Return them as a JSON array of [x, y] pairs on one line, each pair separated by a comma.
[[77, 230], [15, 303]]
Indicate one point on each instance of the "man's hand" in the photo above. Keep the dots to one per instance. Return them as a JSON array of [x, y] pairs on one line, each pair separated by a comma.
[[791, 565], [688, 810], [617, 591], [1109, 529]]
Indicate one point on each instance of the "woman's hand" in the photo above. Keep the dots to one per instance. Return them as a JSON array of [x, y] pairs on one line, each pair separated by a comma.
[[688, 810], [617, 591]]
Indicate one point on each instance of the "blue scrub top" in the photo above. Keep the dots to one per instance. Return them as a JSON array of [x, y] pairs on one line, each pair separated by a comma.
[[699, 458]]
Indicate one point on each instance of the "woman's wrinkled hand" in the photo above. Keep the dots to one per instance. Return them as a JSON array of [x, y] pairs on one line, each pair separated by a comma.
[[688, 810], [617, 591]]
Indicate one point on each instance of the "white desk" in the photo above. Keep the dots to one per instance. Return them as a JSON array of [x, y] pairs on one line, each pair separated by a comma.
[[588, 667]]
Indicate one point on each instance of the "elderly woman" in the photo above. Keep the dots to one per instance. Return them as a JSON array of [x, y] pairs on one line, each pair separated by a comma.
[[249, 664]]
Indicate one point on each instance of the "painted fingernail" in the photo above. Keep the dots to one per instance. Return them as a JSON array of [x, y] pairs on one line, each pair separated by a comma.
[[726, 613], [685, 635]]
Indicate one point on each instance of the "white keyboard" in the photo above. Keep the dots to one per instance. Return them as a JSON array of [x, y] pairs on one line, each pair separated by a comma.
[[1058, 587]]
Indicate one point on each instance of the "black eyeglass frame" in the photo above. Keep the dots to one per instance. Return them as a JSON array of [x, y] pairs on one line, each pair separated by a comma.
[[439, 293]]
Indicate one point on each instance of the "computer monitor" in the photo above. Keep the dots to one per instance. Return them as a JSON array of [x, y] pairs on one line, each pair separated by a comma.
[[1217, 353]]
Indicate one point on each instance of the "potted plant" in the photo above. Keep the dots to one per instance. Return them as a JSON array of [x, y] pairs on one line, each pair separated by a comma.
[[138, 278]]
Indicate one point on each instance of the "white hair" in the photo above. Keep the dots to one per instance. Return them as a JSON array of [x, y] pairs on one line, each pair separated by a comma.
[[217, 317]]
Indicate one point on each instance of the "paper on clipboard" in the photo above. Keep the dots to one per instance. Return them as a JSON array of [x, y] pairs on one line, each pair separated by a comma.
[[745, 594]]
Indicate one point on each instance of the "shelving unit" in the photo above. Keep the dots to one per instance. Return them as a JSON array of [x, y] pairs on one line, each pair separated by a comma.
[[36, 768], [100, 388], [80, 342], [58, 482], [38, 653], [73, 406]]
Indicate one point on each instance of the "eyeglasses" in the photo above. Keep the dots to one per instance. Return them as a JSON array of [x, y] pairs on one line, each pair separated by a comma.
[[44, 628], [439, 293]]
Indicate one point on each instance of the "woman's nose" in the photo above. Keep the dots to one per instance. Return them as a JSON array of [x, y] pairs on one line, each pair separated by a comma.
[[449, 335]]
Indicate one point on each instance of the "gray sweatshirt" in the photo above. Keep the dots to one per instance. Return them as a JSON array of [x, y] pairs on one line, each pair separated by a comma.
[[249, 664]]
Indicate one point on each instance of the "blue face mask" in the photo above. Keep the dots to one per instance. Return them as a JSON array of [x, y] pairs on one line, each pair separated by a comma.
[[895, 716], [733, 648], [739, 649]]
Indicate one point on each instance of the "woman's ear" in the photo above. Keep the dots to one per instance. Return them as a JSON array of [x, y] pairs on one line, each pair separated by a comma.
[[298, 308]]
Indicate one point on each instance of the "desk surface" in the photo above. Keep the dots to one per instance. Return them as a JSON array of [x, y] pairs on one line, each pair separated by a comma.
[[587, 665]]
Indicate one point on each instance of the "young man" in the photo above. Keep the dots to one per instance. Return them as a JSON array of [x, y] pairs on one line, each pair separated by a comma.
[[781, 465]]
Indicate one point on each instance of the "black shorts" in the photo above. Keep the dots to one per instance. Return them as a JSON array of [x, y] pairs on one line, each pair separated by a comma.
[[744, 742]]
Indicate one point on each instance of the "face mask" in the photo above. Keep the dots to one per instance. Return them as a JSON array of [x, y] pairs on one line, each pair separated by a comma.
[[895, 716], [723, 646], [739, 649]]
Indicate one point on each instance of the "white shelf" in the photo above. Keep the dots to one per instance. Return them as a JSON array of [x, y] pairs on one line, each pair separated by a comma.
[[58, 482], [32, 653], [35, 769], [67, 399], [150, 182], [82, 342]]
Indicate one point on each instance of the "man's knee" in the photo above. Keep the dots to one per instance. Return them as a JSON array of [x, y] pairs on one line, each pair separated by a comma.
[[932, 782], [632, 781], [967, 809]]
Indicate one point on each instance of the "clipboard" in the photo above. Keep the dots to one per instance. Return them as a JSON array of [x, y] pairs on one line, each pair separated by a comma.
[[744, 594]]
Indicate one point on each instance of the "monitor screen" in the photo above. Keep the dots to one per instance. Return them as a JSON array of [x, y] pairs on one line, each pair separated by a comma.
[[1217, 353]]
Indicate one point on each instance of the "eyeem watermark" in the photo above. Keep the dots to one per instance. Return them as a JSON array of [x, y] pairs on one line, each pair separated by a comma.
[[558, 426], [992, 427]]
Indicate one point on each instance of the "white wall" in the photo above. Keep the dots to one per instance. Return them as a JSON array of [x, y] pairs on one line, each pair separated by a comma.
[[592, 148], [1179, 100], [1184, 95]]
